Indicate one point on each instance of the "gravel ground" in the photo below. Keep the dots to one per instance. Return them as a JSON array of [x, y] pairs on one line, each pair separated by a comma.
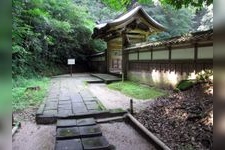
[[34, 137], [31, 136], [124, 137], [112, 99]]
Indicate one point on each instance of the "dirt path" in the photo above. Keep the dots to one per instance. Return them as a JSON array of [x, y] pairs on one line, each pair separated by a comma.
[[112, 99]]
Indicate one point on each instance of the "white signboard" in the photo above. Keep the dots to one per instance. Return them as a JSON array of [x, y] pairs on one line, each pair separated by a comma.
[[71, 61]]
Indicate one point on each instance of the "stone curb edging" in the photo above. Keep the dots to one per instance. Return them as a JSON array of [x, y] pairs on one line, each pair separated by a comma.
[[51, 119], [147, 132]]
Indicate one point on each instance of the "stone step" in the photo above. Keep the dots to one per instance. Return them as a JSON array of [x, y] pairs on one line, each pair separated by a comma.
[[77, 128], [67, 133], [75, 122], [95, 143], [90, 131], [79, 134], [86, 122], [95, 81], [52, 118], [74, 144], [107, 78], [66, 123]]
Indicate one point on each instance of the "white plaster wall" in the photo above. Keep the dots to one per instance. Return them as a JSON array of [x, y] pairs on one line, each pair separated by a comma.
[[160, 55], [133, 56], [187, 53], [205, 52], [145, 56]]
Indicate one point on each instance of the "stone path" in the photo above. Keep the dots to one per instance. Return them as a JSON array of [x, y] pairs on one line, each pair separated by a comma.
[[80, 134], [72, 107], [68, 97]]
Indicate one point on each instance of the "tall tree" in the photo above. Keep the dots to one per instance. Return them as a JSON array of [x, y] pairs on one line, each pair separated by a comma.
[[177, 22], [46, 33], [176, 3]]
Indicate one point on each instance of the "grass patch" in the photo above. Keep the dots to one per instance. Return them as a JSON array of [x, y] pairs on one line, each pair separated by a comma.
[[22, 98], [136, 90]]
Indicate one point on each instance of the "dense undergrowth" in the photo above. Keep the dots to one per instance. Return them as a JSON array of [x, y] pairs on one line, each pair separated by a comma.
[[46, 33], [28, 92]]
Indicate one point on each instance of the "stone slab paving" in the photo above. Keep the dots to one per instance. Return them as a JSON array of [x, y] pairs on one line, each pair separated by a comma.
[[79, 134], [74, 144], [67, 133], [86, 122], [66, 123], [68, 97], [90, 131], [95, 143]]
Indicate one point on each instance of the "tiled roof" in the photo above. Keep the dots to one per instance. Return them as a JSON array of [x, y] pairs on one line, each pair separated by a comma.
[[103, 27], [192, 37]]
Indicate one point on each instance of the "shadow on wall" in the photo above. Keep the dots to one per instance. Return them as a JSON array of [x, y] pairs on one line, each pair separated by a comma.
[[163, 79]]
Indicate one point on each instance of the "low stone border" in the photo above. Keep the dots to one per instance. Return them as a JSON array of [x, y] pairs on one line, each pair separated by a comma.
[[44, 119], [157, 142]]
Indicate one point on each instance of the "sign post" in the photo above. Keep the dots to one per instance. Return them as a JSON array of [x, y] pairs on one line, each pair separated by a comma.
[[71, 62]]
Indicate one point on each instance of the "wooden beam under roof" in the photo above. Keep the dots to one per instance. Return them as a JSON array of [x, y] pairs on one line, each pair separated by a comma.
[[138, 36], [136, 31], [119, 39]]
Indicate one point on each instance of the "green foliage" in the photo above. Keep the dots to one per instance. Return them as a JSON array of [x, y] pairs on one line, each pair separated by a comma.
[[46, 33], [206, 21], [98, 45], [22, 98], [136, 90], [117, 5], [205, 76], [178, 4], [185, 85], [5, 99], [98, 11], [176, 21]]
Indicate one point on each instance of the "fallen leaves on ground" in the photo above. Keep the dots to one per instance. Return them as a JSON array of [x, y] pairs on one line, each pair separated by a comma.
[[182, 120]]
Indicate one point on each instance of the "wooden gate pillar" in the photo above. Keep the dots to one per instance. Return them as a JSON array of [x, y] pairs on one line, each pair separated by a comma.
[[124, 54]]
